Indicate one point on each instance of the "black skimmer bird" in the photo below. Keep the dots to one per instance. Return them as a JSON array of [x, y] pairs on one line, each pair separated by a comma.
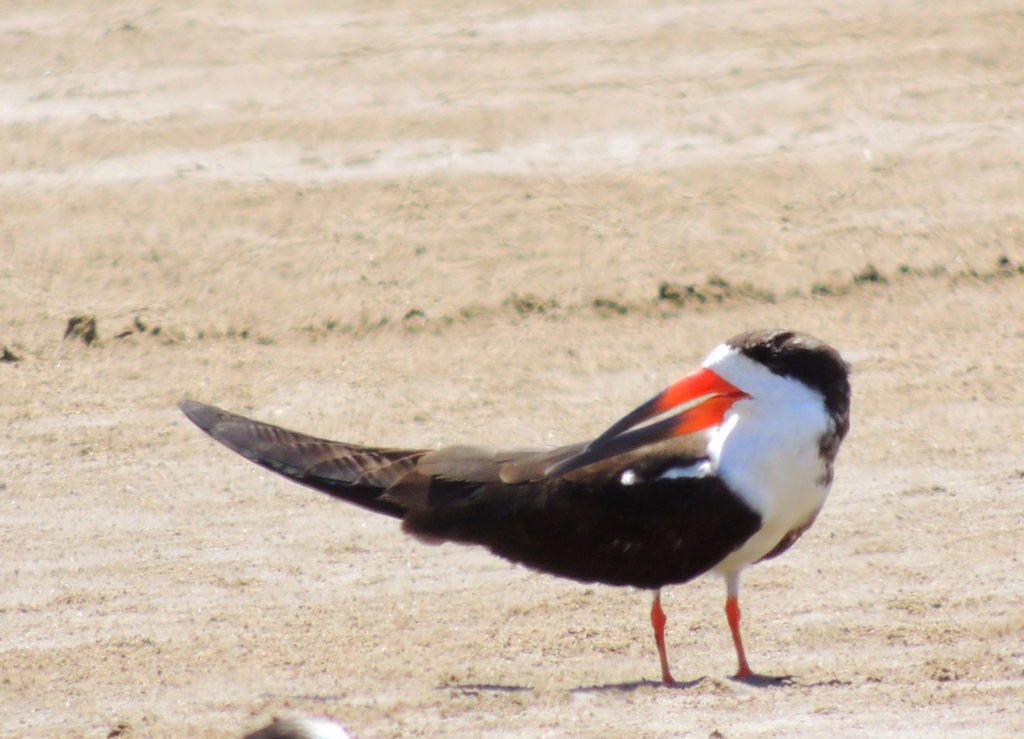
[[650, 502]]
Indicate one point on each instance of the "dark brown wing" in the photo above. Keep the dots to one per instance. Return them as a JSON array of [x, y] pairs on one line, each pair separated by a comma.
[[589, 526], [354, 473], [360, 474]]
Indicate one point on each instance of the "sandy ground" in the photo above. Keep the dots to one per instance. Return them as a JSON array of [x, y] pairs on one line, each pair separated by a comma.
[[505, 225]]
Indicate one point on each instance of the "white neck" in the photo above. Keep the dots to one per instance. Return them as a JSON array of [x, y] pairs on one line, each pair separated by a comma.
[[768, 447]]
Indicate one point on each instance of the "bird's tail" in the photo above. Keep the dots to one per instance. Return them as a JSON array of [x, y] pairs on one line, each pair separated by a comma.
[[359, 475]]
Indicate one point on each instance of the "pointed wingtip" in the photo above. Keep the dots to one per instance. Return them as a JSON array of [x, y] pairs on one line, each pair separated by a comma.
[[202, 415], [237, 433]]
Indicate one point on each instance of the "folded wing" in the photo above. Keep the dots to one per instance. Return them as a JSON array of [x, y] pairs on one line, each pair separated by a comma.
[[619, 520]]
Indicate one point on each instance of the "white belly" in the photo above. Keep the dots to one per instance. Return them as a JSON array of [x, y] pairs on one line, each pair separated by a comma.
[[754, 549], [775, 466]]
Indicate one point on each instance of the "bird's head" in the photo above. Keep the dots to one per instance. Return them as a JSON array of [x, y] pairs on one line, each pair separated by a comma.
[[765, 367]]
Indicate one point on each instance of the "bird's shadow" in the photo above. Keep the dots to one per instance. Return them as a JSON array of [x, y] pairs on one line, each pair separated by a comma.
[[754, 681], [629, 687], [476, 688], [767, 681], [788, 681]]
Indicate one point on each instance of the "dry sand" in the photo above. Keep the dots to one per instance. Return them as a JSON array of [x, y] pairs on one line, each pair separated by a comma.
[[392, 224]]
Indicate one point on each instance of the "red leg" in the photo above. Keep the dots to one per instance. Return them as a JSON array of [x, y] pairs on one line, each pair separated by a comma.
[[732, 612], [658, 621]]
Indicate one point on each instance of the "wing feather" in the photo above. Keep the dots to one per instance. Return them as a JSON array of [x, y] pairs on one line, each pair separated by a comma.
[[349, 471]]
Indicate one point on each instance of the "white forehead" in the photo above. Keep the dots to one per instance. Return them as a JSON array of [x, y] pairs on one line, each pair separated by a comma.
[[754, 378]]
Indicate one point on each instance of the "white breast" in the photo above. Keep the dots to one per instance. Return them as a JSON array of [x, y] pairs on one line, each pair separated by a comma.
[[767, 451]]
